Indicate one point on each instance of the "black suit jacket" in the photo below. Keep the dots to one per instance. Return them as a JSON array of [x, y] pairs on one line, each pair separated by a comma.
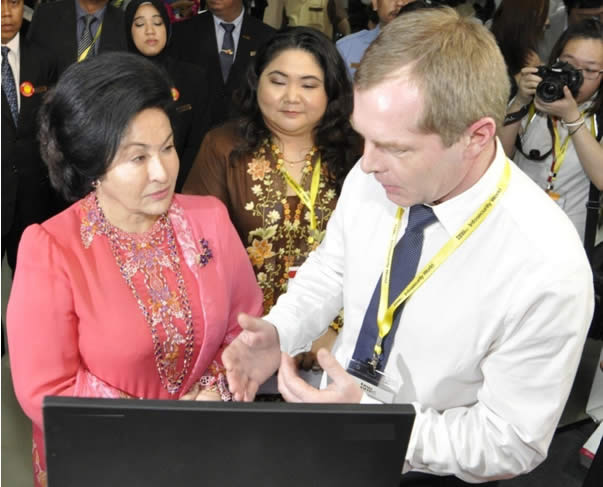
[[26, 194], [194, 41], [192, 114], [54, 26]]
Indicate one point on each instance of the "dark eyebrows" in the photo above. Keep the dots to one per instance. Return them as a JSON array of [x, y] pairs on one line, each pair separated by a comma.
[[152, 17], [586, 61], [305, 77], [140, 144]]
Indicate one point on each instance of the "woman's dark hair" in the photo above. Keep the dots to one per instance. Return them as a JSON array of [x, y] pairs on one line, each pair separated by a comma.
[[518, 26], [339, 144], [586, 29], [84, 117], [129, 15]]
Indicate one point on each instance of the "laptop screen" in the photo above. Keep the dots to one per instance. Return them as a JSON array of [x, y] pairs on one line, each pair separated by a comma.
[[150, 443]]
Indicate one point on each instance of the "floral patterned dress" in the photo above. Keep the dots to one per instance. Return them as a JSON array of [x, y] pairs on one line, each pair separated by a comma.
[[275, 228]]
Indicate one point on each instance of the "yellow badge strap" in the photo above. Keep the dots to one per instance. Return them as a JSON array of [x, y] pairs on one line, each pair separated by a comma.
[[385, 313], [86, 51], [560, 150], [308, 200]]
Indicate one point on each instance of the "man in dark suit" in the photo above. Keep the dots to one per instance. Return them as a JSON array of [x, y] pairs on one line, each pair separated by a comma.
[[27, 73], [76, 29], [211, 38]]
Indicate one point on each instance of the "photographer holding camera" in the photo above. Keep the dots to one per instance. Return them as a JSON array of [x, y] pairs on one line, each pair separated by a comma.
[[553, 127]]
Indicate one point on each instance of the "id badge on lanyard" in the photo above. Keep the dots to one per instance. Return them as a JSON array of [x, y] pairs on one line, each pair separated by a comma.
[[374, 383]]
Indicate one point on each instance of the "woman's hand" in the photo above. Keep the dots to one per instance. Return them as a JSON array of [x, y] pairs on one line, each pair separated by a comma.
[[198, 394], [208, 396], [526, 85], [565, 109]]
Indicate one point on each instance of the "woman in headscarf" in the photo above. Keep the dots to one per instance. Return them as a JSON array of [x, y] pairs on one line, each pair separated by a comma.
[[148, 32]]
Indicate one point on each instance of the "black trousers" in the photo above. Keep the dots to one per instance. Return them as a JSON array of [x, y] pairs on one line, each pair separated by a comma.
[[419, 479]]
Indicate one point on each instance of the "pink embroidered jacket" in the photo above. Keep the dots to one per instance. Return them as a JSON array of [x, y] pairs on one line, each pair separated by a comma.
[[75, 328]]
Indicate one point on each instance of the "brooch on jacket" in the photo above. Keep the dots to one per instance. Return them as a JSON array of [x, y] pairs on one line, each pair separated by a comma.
[[205, 256]]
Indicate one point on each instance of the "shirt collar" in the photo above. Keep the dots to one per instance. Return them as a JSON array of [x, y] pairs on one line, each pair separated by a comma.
[[453, 213], [14, 44], [237, 22], [81, 12]]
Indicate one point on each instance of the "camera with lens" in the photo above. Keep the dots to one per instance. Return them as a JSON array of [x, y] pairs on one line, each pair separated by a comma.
[[554, 78]]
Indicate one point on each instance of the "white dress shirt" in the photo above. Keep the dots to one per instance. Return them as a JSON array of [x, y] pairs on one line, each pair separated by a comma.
[[236, 32], [487, 349], [15, 65]]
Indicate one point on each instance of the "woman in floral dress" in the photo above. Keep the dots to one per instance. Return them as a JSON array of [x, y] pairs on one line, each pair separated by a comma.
[[132, 291], [280, 166]]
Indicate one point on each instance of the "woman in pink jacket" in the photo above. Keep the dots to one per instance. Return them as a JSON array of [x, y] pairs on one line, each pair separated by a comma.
[[132, 291]]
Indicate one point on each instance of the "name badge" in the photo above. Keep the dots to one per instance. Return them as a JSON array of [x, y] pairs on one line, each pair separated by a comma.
[[556, 197], [374, 383]]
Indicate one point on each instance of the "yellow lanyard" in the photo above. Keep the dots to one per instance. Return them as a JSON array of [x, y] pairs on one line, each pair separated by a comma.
[[560, 150], [386, 313], [85, 53], [308, 200]]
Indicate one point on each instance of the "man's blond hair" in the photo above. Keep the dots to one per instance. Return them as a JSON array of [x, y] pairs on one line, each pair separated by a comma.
[[454, 60]]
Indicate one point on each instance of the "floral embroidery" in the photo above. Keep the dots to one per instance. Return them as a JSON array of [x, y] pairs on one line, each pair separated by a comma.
[[259, 250], [40, 476], [145, 261], [283, 236], [258, 168]]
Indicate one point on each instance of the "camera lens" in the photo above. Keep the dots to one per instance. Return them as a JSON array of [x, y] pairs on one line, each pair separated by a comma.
[[549, 91]]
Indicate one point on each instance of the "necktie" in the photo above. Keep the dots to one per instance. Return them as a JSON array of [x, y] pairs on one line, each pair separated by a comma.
[[227, 50], [8, 85], [403, 268], [86, 37]]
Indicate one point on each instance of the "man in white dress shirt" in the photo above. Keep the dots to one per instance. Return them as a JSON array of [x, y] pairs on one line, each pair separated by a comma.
[[487, 345]]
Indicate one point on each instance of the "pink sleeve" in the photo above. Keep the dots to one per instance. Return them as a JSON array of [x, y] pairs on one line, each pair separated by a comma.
[[246, 296], [245, 293], [41, 324]]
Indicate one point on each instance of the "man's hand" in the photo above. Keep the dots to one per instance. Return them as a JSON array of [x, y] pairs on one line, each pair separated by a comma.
[[307, 360], [343, 389], [252, 357]]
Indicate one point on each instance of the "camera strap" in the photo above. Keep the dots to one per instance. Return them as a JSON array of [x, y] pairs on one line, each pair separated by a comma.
[[534, 155]]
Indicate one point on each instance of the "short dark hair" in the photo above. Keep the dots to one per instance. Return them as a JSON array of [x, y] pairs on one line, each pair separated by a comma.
[[339, 145], [84, 117], [585, 29], [572, 4], [419, 5]]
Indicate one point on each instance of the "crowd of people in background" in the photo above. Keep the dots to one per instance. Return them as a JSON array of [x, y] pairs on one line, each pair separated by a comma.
[[207, 63], [265, 107]]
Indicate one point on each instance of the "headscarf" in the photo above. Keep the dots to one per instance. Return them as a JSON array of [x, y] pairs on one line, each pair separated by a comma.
[[130, 13]]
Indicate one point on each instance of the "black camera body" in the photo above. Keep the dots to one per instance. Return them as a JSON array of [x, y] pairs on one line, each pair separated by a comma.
[[554, 78]]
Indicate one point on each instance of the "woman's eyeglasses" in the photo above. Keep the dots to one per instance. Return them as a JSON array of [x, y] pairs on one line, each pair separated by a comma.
[[590, 74]]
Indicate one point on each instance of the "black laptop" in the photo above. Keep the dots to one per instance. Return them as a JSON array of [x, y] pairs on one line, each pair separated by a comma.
[[131, 443]]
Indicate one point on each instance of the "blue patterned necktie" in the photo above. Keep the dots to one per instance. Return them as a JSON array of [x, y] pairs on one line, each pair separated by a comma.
[[86, 37], [227, 50], [8, 85], [403, 269]]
